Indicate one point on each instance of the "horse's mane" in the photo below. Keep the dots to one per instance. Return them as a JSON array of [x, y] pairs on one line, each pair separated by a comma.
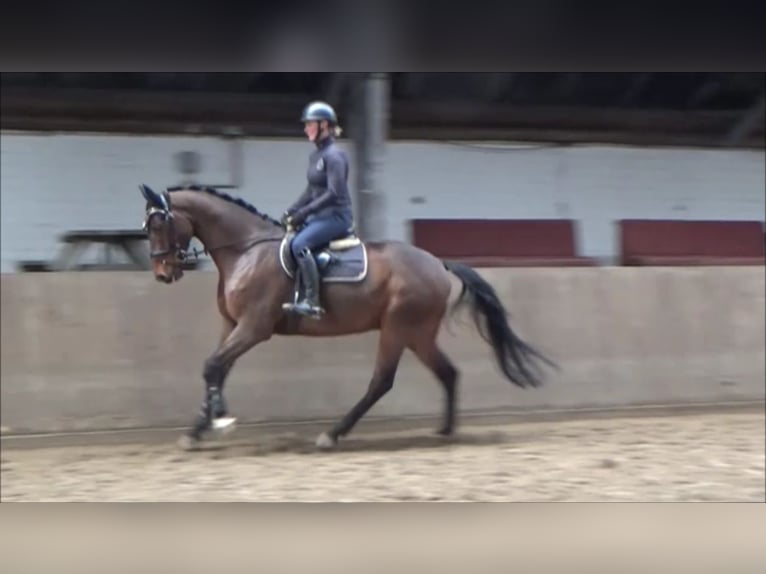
[[226, 197]]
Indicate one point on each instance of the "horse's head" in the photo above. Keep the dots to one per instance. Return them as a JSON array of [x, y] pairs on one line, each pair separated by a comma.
[[169, 235]]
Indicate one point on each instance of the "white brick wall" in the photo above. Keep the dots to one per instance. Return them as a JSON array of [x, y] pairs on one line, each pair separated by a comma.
[[52, 183]]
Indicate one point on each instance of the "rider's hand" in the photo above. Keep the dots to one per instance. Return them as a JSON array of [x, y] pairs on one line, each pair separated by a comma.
[[290, 225], [296, 219]]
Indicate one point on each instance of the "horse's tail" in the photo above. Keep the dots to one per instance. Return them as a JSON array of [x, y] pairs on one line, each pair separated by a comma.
[[514, 356]]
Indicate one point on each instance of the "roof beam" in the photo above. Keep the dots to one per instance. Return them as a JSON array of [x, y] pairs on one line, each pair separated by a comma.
[[413, 84], [708, 88], [497, 85], [335, 87], [747, 123], [568, 83], [637, 88]]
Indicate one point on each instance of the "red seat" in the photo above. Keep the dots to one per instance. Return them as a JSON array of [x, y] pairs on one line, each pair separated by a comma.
[[500, 243], [668, 242]]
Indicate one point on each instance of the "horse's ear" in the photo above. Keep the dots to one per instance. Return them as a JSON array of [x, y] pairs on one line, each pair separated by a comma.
[[165, 198], [151, 196]]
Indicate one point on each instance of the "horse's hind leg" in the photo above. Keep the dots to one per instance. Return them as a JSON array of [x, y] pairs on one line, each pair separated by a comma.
[[429, 353], [390, 348]]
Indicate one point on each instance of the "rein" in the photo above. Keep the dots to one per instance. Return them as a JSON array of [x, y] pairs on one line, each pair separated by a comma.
[[253, 242], [183, 254]]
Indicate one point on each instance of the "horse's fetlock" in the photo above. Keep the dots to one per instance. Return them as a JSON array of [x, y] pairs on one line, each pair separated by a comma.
[[213, 371]]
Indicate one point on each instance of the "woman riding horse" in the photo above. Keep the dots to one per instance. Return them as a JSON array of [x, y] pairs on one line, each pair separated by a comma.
[[324, 207], [405, 296]]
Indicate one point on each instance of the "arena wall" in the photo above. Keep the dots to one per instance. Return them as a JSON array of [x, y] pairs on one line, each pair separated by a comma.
[[89, 351]]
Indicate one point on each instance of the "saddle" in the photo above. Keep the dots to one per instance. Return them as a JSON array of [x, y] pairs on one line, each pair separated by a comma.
[[342, 260], [351, 240]]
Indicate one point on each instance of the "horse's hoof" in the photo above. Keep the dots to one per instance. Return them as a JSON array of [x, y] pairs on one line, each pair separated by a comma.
[[188, 443], [326, 442], [224, 425], [446, 431]]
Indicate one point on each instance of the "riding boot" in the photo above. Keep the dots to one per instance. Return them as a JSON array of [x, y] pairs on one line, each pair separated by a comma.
[[309, 272]]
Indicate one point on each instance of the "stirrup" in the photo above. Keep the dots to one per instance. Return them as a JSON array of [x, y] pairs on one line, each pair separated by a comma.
[[304, 308]]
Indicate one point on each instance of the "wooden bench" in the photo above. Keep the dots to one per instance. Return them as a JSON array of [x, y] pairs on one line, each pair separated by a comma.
[[500, 242], [132, 244], [688, 243]]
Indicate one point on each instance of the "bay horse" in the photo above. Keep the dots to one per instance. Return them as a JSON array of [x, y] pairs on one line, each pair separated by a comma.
[[393, 287]]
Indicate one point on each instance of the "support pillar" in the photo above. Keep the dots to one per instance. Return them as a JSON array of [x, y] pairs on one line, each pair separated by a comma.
[[371, 121]]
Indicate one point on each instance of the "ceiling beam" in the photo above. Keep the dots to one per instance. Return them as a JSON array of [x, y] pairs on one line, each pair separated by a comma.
[[568, 83], [335, 87], [497, 85], [412, 84], [637, 88], [747, 123], [709, 88]]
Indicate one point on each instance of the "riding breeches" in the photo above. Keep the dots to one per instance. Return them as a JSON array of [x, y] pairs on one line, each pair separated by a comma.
[[320, 231]]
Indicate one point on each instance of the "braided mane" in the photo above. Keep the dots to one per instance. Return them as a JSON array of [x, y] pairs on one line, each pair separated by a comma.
[[226, 197]]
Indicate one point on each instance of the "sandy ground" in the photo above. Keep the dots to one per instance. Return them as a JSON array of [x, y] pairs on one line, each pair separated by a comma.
[[703, 457]]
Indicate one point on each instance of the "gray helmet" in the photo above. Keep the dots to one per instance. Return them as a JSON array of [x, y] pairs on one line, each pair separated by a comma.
[[317, 111]]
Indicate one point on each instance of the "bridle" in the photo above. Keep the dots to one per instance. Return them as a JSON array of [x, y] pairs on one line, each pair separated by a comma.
[[180, 253]]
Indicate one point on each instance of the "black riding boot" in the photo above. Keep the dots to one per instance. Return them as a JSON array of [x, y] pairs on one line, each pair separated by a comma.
[[310, 278]]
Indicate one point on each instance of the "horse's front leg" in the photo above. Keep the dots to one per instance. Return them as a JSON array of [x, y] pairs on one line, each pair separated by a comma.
[[214, 408], [243, 337]]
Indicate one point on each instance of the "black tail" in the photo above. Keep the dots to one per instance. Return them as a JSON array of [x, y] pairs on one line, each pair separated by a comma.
[[513, 355]]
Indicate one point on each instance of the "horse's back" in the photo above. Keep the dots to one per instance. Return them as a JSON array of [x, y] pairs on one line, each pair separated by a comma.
[[410, 267]]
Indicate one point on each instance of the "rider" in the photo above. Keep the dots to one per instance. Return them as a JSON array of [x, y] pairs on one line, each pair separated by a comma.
[[325, 205]]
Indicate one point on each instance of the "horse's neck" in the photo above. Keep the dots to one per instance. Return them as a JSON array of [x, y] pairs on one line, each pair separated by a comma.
[[218, 223]]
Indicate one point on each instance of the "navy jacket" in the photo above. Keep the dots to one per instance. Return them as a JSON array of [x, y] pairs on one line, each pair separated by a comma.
[[327, 191]]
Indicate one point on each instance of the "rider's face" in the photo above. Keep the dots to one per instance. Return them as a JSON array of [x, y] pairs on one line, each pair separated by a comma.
[[311, 130]]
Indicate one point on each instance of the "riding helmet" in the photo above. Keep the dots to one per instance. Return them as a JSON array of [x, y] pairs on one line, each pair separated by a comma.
[[318, 111]]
